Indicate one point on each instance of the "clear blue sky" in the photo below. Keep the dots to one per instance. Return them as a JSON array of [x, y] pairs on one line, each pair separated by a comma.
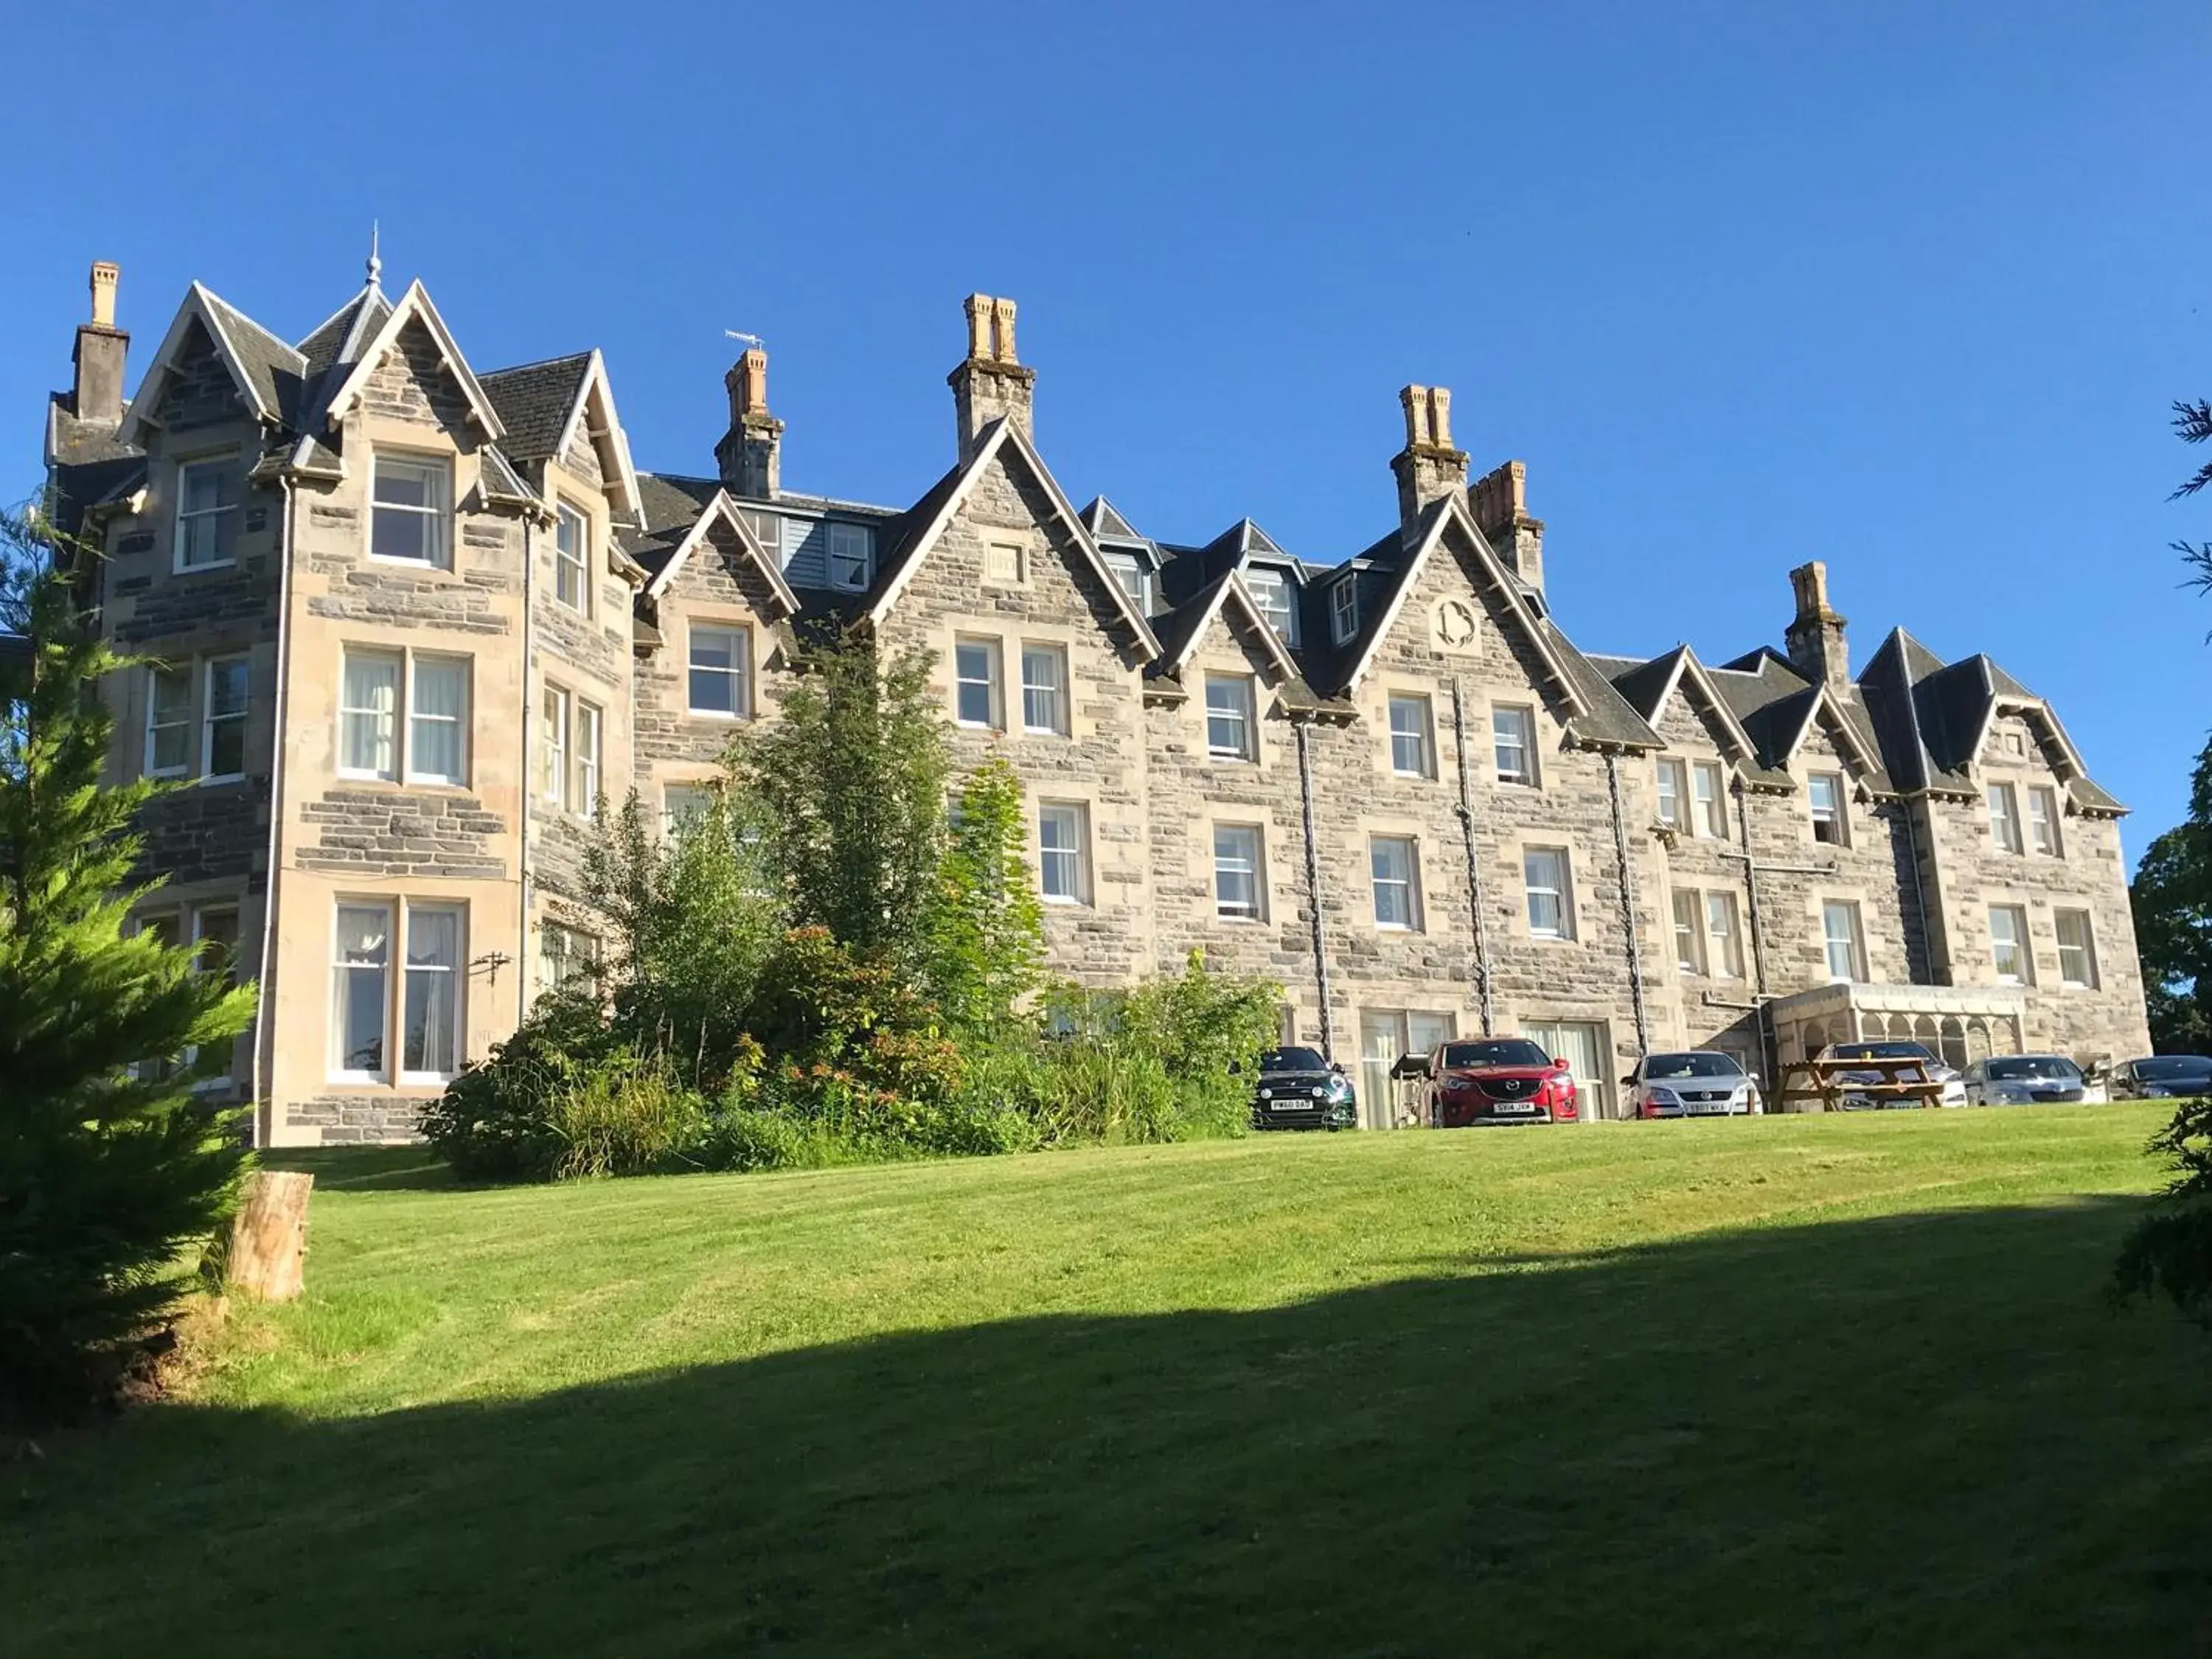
[[1905, 287]]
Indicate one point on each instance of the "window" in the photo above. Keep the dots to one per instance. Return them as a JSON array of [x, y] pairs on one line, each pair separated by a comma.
[[1726, 941], [1344, 609], [1136, 580], [2009, 944], [1270, 591], [369, 701], [1397, 882], [2077, 951], [1674, 787], [438, 720], [2042, 820], [1689, 933], [168, 722], [1839, 926], [2004, 817], [1044, 689], [682, 804], [584, 789], [163, 926], [1590, 1056], [1229, 717], [223, 728], [1551, 900], [361, 984], [436, 750], [1413, 752], [407, 509], [1237, 886], [205, 504], [1060, 842], [1006, 564], [553, 747], [1712, 803], [565, 957], [1513, 734], [572, 559], [1824, 790], [430, 1034], [852, 557], [214, 938], [721, 671], [976, 664]]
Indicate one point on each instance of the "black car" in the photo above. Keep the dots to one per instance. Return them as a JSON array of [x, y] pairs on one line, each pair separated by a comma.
[[1298, 1089], [2166, 1076]]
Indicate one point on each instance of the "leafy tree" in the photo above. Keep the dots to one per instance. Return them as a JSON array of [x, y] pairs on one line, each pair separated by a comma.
[[109, 1164], [2170, 1250], [986, 937], [2171, 895], [2193, 422], [850, 780]]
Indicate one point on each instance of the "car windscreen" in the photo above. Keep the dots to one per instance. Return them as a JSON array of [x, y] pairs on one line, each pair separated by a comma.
[[1292, 1060], [1880, 1051], [1497, 1051], [2044, 1068], [1659, 1067], [2167, 1068]]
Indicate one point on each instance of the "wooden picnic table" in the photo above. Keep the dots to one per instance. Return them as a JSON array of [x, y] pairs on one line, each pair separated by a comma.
[[1818, 1079]]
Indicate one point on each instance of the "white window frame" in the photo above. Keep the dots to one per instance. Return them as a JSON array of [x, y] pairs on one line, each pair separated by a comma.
[[1244, 715], [1056, 710], [572, 564], [1273, 594], [179, 721], [1136, 580], [737, 677], [1673, 787], [1853, 939], [464, 721], [1689, 919], [2043, 830], [210, 719], [1422, 737], [2004, 804], [1523, 718], [338, 1072], [2086, 949], [1064, 870], [853, 547], [1344, 609], [589, 734], [1407, 887], [439, 469], [695, 797], [1709, 799], [1562, 894], [2015, 918], [457, 985], [222, 529], [1255, 869], [191, 1056], [394, 717], [994, 659], [577, 955], [555, 710], [1834, 816], [1724, 936]]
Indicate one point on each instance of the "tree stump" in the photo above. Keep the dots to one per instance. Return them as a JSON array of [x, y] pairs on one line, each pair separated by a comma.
[[267, 1257]]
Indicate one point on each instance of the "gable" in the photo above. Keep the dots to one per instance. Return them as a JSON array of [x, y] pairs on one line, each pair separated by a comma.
[[728, 556], [197, 389], [417, 374], [1229, 622]]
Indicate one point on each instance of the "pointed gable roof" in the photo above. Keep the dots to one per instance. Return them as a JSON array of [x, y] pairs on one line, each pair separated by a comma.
[[915, 535], [664, 558], [543, 405], [414, 305], [1103, 519], [268, 373]]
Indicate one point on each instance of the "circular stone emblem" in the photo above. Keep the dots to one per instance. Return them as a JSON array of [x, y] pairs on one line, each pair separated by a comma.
[[1454, 625]]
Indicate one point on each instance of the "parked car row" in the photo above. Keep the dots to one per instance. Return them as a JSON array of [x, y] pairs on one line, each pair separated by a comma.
[[1497, 1080]]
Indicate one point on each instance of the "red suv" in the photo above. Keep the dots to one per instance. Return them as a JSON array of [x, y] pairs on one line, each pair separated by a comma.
[[1491, 1080]]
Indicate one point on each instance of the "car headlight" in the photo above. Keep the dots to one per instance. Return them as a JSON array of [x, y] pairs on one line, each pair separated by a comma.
[[1267, 1094], [1659, 1096]]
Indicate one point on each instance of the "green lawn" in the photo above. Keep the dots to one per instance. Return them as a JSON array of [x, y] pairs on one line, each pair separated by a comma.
[[1839, 1385]]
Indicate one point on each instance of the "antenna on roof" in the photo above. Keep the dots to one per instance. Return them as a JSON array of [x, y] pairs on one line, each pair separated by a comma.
[[750, 339], [375, 264]]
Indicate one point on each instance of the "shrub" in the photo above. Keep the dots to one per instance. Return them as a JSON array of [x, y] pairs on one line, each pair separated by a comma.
[[2170, 1250], [503, 1120]]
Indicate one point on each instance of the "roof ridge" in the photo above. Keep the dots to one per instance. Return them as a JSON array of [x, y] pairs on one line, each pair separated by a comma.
[[539, 363]]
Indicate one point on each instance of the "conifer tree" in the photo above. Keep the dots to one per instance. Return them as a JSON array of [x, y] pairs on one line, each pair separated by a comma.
[[110, 1164]]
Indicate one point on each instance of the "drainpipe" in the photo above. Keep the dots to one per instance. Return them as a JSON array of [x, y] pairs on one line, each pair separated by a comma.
[[1627, 904], [1474, 899], [525, 958], [1769, 1051], [264, 1026], [1304, 728], [1919, 894]]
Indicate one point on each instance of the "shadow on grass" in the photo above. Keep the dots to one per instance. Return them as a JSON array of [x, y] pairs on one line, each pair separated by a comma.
[[1920, 1436], [364, 1169]]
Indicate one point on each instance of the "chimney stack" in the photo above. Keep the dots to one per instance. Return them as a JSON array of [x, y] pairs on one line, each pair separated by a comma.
[[101, 348], [1428, 467], [1817, 648], [751, 454], [1500, 501], [991, 382]]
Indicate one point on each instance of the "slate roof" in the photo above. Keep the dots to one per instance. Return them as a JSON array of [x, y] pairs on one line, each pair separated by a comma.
[[673, 504], [533, 402], [275, 370], [1101, 517]]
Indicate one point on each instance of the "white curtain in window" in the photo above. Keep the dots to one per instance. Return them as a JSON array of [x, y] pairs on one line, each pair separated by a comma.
[[362, 961], [367, 700], [439, 718], [434, 950]]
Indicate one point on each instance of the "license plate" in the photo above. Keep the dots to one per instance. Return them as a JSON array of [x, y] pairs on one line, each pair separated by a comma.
[[1291, 1104], [1513, 1106]]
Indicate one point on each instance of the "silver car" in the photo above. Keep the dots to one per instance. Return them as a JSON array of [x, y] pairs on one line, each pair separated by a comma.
[[1954, 1088], [2024, 1079], [1696, 1083]]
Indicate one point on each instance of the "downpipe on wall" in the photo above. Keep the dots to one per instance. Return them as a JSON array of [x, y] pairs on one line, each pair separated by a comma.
[[1475, 896], [1304, 728], [265, 1027], [1627, 905]]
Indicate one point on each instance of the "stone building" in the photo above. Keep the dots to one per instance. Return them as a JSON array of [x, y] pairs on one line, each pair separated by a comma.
[[407, 624]]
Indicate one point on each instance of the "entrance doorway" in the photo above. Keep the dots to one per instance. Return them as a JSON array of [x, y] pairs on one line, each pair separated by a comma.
[[1385, 1033]]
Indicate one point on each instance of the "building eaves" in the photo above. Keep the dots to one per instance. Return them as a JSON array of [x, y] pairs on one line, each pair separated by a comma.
[[1608, 721]]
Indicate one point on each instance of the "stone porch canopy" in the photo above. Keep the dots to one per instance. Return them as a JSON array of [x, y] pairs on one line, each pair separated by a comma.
[[1960, 1022]]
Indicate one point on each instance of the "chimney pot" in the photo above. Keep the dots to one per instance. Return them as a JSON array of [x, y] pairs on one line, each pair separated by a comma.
[[103, 278], [1818, 649], [1440, 416], [749, 457], [1428, 468], [990, 383], [97, 394]]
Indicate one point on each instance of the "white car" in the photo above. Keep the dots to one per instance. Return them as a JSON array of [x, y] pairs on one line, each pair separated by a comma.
[[1696, 1083], [2024, 1079], [1954, 1086]]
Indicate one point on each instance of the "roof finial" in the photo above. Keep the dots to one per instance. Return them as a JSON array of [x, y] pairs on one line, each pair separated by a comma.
[[376, 265]]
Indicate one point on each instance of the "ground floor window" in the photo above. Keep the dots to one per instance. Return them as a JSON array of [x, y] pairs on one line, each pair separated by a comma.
[[1385, 1035], [424, 941], [1582, 1044]]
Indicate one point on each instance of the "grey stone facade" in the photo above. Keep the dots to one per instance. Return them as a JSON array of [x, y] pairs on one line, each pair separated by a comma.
[[1523, 754]]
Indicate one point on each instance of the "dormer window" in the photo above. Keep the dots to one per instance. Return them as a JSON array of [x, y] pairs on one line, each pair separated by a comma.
[[1136, 581], [572, 560], [852, 557], [1270, 591], [205, 505], [409, 499], [1344, 609]]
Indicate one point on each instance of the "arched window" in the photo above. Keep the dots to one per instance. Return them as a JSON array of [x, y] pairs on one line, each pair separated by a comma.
[[1953, 1046]]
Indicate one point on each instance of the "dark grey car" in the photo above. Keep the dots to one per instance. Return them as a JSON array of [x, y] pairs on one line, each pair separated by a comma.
[[2163, 1077], [1298, 1089]]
